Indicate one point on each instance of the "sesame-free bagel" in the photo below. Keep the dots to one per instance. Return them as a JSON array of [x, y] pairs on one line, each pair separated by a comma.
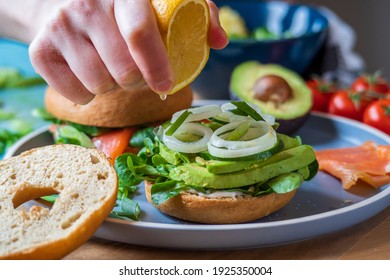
[[87, 186], [120, 108]]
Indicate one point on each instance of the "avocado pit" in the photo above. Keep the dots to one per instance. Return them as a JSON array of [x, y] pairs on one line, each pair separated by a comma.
[[272, 88], [258, 83]]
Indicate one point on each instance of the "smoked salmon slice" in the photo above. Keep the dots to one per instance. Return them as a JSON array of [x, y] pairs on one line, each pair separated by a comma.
[[368, 162]]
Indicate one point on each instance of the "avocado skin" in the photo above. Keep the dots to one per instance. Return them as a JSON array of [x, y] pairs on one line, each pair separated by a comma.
[[283, 162], [292, 114], [289, 127]]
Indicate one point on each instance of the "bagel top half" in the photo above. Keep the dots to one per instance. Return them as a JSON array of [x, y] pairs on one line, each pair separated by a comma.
[[121, 108]]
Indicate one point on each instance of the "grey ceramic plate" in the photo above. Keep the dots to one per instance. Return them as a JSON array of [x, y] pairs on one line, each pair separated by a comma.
[[320, 206]]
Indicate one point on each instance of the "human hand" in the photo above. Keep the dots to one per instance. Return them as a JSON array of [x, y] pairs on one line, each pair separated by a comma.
[[91, 47]]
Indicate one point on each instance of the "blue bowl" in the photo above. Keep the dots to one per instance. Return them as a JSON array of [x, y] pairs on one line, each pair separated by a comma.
[[306, 25]]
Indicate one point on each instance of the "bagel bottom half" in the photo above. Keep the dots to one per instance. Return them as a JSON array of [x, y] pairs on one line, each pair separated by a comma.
[[194, 208]]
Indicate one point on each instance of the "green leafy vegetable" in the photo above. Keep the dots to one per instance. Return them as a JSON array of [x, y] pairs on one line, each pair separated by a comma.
[[286, 182], [50, 198], [45, 115], [12, 78], [139, 136], [5, 115], [18, 129], [89, 129], [69, 135], [20, 126], [163, 191], [7, 138]]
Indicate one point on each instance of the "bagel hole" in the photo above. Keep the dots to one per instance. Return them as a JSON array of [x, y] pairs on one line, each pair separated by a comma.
[[60, 175], [29, 196], [15, 239], [81, 172], [70, 221], [94, 159], [13, 176]]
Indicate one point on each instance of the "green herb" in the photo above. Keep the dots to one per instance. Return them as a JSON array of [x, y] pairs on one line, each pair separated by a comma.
[[247, 110], [126, 209], [12, 78], [238, 132], [175, 126], [50, 198]]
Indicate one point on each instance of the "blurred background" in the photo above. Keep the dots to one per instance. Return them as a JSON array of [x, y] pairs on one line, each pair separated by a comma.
[[371, 22], [356, 41]]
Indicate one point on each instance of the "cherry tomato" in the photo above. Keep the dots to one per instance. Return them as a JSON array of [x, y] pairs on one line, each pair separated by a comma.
[[348, 104], [377, 114], [322, 92], [374, 86]]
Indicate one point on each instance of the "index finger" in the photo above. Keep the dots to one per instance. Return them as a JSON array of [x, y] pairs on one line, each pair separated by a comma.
[[138, 26]]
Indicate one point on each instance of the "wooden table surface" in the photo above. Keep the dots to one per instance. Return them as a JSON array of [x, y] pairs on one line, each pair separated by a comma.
[[369, 240]]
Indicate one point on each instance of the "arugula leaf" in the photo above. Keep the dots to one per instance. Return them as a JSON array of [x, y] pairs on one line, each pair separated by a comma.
[[124, 167], [163, 191], [138, 138]]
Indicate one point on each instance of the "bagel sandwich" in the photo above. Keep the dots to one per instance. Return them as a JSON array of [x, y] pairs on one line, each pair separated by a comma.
[[219, 165], [111, 123]]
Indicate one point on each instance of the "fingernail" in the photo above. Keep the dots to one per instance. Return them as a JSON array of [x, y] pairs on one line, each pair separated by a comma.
[[83, 99], [164, 86]]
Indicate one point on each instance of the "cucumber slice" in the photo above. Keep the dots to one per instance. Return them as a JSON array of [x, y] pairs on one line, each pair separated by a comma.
[[256, 157]]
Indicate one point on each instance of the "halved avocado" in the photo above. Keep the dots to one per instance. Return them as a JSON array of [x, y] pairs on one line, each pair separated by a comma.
[[276, 90]]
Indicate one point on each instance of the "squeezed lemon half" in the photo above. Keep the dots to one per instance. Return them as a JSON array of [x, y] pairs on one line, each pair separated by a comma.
[[184, 26]]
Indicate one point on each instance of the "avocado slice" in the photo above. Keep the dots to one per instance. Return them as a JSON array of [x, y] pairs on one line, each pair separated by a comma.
[[283, 162], [276, 90]]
